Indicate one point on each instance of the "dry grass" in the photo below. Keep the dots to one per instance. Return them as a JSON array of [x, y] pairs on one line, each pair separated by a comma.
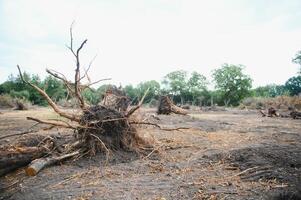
[[6, 101], [280, 102]]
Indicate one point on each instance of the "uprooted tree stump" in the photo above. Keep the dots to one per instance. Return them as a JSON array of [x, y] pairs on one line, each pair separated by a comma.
[[97, 128], [167, 107]]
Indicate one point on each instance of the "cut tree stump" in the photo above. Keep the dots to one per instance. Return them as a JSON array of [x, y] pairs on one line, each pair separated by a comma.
[[40, 163], [166, 107]]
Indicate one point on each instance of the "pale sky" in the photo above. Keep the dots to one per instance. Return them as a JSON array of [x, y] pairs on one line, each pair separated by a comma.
[[139, 40]]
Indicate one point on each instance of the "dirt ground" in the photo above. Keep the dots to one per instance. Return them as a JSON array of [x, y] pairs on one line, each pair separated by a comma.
[[230, 154]]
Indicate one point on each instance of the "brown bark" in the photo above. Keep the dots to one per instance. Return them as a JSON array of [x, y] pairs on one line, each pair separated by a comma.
[[116, 99], [166, 107], [40, 163], [13, 158]]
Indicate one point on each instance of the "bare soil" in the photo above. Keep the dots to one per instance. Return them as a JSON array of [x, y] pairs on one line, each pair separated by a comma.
[[230, 154]]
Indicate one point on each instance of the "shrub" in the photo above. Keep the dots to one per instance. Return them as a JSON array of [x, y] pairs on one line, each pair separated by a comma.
[[24, 94]]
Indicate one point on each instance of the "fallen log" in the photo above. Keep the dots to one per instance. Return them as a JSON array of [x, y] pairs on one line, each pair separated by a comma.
[[166, 107], [16, 157], [40, 163]]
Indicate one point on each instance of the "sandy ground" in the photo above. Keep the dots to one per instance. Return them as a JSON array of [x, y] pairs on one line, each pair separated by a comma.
[[225, 155]]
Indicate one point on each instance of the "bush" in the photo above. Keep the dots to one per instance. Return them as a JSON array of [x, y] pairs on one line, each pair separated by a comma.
[[24, 94]]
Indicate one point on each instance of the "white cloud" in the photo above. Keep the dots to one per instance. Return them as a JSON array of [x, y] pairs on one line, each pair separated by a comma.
[[142, 40]]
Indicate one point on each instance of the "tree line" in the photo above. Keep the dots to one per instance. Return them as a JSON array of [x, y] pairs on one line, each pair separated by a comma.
[[231, 86]]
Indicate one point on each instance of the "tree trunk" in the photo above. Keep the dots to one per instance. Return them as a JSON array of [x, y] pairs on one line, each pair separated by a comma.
[[40, 163], [166, 107], [226, 102], [11, 159]]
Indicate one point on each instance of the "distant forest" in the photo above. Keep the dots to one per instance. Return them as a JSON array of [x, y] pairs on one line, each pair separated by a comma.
[[231, 86]]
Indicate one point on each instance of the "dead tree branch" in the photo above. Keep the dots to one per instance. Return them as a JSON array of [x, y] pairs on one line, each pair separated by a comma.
[[49, 100], [158, 126], [53, 123]]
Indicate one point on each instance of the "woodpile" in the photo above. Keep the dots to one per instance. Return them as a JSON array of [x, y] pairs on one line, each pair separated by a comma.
[[167, 107]]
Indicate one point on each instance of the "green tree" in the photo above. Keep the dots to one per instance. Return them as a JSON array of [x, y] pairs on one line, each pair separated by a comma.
[[271, 90], [15, 84], [91, 96], [154, 90], [175, 83], [131, 91], [54, 88], [232, 84], [197, 87], [23, 94], [293, 85]]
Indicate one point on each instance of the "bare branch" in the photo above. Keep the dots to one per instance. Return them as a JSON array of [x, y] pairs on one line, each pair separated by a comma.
[[90, 84], [62, 78], [54, 123], [158, 126], [71, 39], [87, 70], [77, 88], [49, 100], [77, 77]]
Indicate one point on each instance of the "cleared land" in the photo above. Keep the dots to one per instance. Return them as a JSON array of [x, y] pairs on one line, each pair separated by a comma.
[[229, 154]]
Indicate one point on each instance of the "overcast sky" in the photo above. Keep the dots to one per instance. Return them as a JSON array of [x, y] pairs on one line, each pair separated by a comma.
[[139, 40]]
